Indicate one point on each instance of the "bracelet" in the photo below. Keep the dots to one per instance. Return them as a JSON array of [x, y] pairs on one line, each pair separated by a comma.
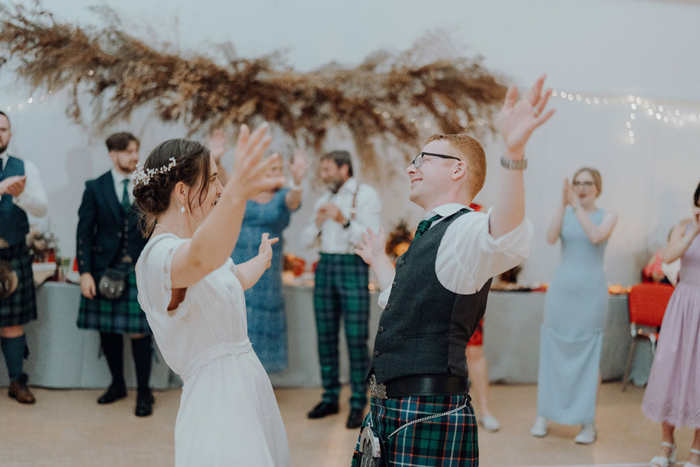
[[513, 165], [293, 186]]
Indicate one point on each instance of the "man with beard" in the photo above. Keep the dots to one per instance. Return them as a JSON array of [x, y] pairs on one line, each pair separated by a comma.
[[109, 244], [21, 192], [343, 213]]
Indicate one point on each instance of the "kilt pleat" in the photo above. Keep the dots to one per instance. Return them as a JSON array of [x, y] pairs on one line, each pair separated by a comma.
[[448, 440], [20, 307], [121, 316]]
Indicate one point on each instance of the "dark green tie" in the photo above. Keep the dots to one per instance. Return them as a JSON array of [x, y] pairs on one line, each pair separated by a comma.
[[424, 225], [126, 204]]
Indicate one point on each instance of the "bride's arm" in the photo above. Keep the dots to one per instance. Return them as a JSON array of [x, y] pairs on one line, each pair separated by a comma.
[[215, 239], [250, 272]]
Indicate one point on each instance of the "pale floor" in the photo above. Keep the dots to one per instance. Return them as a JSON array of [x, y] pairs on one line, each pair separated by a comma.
[[69, 428]]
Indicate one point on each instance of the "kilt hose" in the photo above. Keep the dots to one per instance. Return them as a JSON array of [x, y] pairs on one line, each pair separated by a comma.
[[448, 440], [341, 289], [20, 307], [121, 316]]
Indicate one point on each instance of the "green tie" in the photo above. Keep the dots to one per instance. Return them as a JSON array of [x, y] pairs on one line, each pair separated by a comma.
[[424, 225], [126, 204]]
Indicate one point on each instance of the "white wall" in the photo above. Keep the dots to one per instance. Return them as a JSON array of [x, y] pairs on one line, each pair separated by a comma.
[[645, 48]]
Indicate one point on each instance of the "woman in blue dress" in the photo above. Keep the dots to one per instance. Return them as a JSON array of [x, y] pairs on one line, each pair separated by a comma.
[[576, 305], [270, 213]]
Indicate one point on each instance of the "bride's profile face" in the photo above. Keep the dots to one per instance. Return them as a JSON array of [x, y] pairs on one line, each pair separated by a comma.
[[210, 198]]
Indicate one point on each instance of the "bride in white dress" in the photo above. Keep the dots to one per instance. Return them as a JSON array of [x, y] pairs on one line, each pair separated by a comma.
[[192, 294]]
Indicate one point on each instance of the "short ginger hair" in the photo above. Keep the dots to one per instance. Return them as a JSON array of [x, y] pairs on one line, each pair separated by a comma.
[[473, 154]]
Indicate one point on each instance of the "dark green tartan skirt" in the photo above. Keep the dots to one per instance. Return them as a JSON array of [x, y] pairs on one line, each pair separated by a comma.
[[447, 440], [122, 316], [20, 307]]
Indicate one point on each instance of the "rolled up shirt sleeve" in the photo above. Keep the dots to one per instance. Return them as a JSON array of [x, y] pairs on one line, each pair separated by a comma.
[[33, 199], [469, 256]]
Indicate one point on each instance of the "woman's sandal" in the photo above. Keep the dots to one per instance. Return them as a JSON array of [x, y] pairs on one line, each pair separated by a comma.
[[690, 464], [661, 461]]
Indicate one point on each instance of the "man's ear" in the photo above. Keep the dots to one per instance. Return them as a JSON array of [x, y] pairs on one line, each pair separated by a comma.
[[460, 171]]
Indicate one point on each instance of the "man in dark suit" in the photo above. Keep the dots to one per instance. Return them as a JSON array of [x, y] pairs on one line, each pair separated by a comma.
[[109, 244]]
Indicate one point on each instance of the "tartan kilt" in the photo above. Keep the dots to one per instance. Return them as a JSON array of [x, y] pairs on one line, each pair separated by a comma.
[[20, 307], [121, 316], [449, 440]]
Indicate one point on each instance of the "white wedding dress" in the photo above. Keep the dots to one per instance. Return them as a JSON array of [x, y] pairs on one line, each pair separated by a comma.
[[228, 413]]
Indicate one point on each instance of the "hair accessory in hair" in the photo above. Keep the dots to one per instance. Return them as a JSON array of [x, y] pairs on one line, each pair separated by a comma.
[[143, 176]]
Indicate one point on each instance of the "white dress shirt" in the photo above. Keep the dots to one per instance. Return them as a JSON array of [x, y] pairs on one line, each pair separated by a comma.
[[469, 256], [33, 199], [119, 186], [334, 238]]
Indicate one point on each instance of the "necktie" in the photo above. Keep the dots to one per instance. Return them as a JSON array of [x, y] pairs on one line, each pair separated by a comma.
[[126, 204], [1, 167], [424, 225]]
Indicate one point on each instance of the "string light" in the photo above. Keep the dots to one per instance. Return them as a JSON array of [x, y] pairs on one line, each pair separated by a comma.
[[657, 111]]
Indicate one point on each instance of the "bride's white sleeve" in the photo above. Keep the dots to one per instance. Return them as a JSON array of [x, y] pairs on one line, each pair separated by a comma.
[[154, 276]]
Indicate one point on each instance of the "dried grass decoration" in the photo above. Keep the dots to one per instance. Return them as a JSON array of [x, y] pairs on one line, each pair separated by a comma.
[[392, 97]]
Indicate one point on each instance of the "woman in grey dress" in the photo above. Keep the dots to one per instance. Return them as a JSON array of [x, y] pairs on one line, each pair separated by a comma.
[[575, 308]]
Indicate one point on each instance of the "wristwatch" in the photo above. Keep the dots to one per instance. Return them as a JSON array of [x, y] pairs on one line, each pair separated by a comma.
[[347, 224]]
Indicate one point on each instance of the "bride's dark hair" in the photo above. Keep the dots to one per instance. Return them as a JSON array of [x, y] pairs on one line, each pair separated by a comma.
[[192, 167]]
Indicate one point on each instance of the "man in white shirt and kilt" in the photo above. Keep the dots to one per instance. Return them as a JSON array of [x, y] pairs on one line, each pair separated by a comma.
[[21, 192], [109, 244], [435, 297]]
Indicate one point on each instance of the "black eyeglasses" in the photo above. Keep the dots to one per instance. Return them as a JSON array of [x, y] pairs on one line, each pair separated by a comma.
[[418, 161]]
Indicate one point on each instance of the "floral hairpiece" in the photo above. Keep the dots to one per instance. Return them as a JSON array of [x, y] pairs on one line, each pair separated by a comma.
[[143, 176]]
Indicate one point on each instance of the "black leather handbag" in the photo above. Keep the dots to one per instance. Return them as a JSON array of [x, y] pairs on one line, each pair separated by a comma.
[[113, 283]]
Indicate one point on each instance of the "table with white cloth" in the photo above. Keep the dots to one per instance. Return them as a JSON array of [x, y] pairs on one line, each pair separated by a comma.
[[63, 356], [511, 339]]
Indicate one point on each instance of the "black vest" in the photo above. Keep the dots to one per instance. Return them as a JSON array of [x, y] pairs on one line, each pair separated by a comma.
[[14, 224], [424, 328]]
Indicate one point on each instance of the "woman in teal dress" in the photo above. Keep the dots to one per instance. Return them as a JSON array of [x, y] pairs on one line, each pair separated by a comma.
[[269, 212], [576, 306]]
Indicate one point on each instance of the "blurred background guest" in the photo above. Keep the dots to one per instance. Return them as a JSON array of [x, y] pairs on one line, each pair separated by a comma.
[[660, 272], [672, 397], [269, 212], [21, 192], [110, 241], [576, 305]]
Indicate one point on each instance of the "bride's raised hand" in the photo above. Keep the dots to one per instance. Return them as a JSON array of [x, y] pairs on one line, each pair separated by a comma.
[[265, 249], [250, 172]]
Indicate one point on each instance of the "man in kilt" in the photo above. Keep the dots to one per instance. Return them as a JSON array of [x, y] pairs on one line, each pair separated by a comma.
[[433, 300], [109, 244], [343, 213], [21, 192]]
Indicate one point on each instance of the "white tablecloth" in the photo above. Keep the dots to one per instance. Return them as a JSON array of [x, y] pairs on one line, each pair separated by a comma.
[[63, 356]]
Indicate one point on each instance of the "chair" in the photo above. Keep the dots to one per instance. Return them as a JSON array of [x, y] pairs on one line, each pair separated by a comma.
[[647, 304]]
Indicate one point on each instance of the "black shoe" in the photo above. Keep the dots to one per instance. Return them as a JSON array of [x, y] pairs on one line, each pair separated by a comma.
[[144, 404], [323, 409], [114, 393], [355, 418]]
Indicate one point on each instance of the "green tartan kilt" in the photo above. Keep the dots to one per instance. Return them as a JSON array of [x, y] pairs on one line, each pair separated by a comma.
[[445, 440], [121, 316], [20, 307]]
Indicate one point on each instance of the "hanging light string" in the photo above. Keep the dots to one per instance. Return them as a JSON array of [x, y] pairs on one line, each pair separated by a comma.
[[639, 107]]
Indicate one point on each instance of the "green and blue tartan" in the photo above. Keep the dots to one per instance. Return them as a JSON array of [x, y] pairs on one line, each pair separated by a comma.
[[20, 307], [122, 316], [342, 289], [450, 440]]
